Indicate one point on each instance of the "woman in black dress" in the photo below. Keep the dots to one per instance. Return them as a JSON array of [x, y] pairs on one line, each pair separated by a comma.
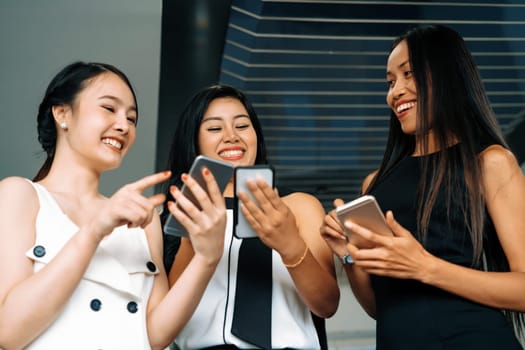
[[452, 276]]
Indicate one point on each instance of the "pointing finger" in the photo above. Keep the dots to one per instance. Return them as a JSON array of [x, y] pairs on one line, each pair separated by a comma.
[[151, 180], [157, 199]]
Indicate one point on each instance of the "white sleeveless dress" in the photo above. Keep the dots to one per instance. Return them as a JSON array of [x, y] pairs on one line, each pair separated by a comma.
[[108, 308]]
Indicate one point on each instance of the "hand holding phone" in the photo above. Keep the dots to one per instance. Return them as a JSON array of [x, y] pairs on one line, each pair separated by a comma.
[[364, 211], [242, 229], [222, 172]]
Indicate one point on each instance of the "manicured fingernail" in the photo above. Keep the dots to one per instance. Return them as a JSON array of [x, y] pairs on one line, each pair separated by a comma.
[[206, 171]]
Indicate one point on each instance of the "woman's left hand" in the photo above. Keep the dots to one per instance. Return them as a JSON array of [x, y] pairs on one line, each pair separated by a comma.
[[272, 220], [398, 256]]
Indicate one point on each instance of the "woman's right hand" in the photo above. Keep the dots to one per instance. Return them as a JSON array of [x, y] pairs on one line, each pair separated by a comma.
[[332, 232], [128, 206], [205, 226]]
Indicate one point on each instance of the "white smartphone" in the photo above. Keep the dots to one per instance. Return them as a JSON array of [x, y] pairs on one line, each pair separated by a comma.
[[364, 211], [242, 229], [222, 172]]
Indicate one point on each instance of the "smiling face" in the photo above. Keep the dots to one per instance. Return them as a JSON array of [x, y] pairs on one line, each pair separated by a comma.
[[402, 92], [101, 122], [226, 133]]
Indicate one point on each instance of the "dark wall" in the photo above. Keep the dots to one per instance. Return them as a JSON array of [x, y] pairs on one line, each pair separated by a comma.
[[192, 42]]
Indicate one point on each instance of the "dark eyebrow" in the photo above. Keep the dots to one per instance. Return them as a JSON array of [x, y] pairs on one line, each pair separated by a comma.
[[400, 66], [210, 119], [221, 118], [403, 64], [117, 100], [242, 116]]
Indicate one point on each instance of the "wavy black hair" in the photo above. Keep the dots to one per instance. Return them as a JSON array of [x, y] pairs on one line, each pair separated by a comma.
[[185, 146], [63, 90]]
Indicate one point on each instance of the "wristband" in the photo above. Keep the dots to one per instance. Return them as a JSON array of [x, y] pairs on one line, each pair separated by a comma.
[[347, 259]]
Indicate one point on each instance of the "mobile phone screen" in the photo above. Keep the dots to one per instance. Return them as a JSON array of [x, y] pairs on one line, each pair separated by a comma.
[[242, 228], [222, 172]]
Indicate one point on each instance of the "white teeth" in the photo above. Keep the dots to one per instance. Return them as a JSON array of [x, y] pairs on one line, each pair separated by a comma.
[[113, 143], [232, 153], [405, 106]]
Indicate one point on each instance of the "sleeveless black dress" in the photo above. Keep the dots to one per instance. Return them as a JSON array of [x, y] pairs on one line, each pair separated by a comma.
[[412, 315]]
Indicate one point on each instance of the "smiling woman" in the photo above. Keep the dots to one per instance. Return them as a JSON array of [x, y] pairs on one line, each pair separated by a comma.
[[112, 111], [287, 269], [61, 100], [402, 93], [227, 118], [456, 259], [96, 261]]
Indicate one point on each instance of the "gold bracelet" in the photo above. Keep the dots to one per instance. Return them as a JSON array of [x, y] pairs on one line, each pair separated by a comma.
[[298, 262]]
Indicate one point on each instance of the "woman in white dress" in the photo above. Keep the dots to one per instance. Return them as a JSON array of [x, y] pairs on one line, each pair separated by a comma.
[[79, 270], [301, 288]]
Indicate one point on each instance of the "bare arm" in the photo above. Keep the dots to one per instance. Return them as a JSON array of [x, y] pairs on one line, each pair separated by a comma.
[[359, 279], [504, 186], [403, 257], [21, 291], [314, 277], [182, 260], [169, 309]]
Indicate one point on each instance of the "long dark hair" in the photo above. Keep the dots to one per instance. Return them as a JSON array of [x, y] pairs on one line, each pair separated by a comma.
[[453, 103], [185, 146], [63, 90]]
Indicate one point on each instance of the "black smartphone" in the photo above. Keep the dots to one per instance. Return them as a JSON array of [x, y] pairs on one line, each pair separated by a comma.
[[364, 211], [242, 229], [222, 172]]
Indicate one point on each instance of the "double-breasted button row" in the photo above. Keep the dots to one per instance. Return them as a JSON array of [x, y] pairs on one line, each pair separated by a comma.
[[96, 305], [132, 307], [151, 266], [39, 251]]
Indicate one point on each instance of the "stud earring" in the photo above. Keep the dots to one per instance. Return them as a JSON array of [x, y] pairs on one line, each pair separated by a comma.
[[63, 126]]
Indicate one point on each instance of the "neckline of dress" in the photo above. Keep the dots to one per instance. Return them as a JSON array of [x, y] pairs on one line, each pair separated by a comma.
[[431, 154]]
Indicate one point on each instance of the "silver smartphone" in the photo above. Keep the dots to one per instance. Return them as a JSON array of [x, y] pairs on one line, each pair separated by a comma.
[[222, 172], [364, 211], [242, 229]]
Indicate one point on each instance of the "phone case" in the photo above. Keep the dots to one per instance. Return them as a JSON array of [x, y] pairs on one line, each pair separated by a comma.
[[222, 172], [364, 211], [242, 228]]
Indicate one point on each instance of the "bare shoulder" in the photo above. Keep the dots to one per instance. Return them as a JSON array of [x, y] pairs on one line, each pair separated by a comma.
[[368, 180], [497, 161], [309, 215], [18, 208], [302, 200], [16, 188], [501, 171], [14, 181]]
